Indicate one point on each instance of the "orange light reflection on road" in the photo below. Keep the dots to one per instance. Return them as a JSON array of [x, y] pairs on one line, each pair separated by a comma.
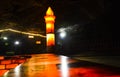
[[64, 67], [50, 65], [90, 72]]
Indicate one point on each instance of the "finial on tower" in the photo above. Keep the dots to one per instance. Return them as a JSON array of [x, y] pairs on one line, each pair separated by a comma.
[[49, 11]]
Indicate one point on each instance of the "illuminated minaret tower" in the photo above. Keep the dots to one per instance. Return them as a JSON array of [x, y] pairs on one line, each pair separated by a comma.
[[50, 20]]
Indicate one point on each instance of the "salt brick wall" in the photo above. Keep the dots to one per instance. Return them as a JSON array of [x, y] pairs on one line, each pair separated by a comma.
[[2, 67], [10, 66], [6, 62], [6, 65], [2, 72]]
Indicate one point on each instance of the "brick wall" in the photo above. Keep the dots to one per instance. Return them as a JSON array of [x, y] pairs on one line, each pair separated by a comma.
[[7, 63]]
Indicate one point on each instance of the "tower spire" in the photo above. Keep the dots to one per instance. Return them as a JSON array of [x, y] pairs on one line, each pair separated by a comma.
[[49, 11], [50, 20]]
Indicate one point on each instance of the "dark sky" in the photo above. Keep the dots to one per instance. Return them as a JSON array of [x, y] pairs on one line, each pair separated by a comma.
[[93, 20], [30, 13]]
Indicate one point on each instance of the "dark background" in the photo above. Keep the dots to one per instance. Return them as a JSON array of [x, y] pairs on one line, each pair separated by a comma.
[[94, 23]]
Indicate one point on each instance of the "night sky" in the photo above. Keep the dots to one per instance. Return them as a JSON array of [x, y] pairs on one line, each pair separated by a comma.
[[30, 13], [91, 22]]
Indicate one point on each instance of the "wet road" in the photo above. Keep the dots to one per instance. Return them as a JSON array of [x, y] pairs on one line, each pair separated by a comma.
[[50, 65]]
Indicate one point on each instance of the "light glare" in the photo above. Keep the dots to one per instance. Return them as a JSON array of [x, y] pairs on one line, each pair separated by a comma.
[[17, 42], [17, 70], [5, 38], [62, 34], [64, 66]]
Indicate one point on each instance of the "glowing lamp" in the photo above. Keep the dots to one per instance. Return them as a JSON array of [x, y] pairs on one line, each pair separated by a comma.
[[5, 38], [38, 42], [16, 42], [63, 34], [30, 36]]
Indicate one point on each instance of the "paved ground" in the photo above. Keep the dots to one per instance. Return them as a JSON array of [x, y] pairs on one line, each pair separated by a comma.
[[102, 59], [50, 65]]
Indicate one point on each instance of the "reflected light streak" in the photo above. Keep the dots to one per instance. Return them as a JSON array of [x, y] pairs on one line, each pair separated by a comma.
[[5, 75], [17, 70], [64, 66], [45, 65]]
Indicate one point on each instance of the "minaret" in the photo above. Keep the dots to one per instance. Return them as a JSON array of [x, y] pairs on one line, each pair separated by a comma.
[[50, 20]]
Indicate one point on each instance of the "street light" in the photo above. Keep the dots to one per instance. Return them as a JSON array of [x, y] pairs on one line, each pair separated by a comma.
[[16, 42], [61, 39], [63, 34], [5, 38], [30, 36]]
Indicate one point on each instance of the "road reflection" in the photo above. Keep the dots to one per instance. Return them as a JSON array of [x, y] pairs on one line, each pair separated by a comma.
[[64, 66], [50, 65]]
